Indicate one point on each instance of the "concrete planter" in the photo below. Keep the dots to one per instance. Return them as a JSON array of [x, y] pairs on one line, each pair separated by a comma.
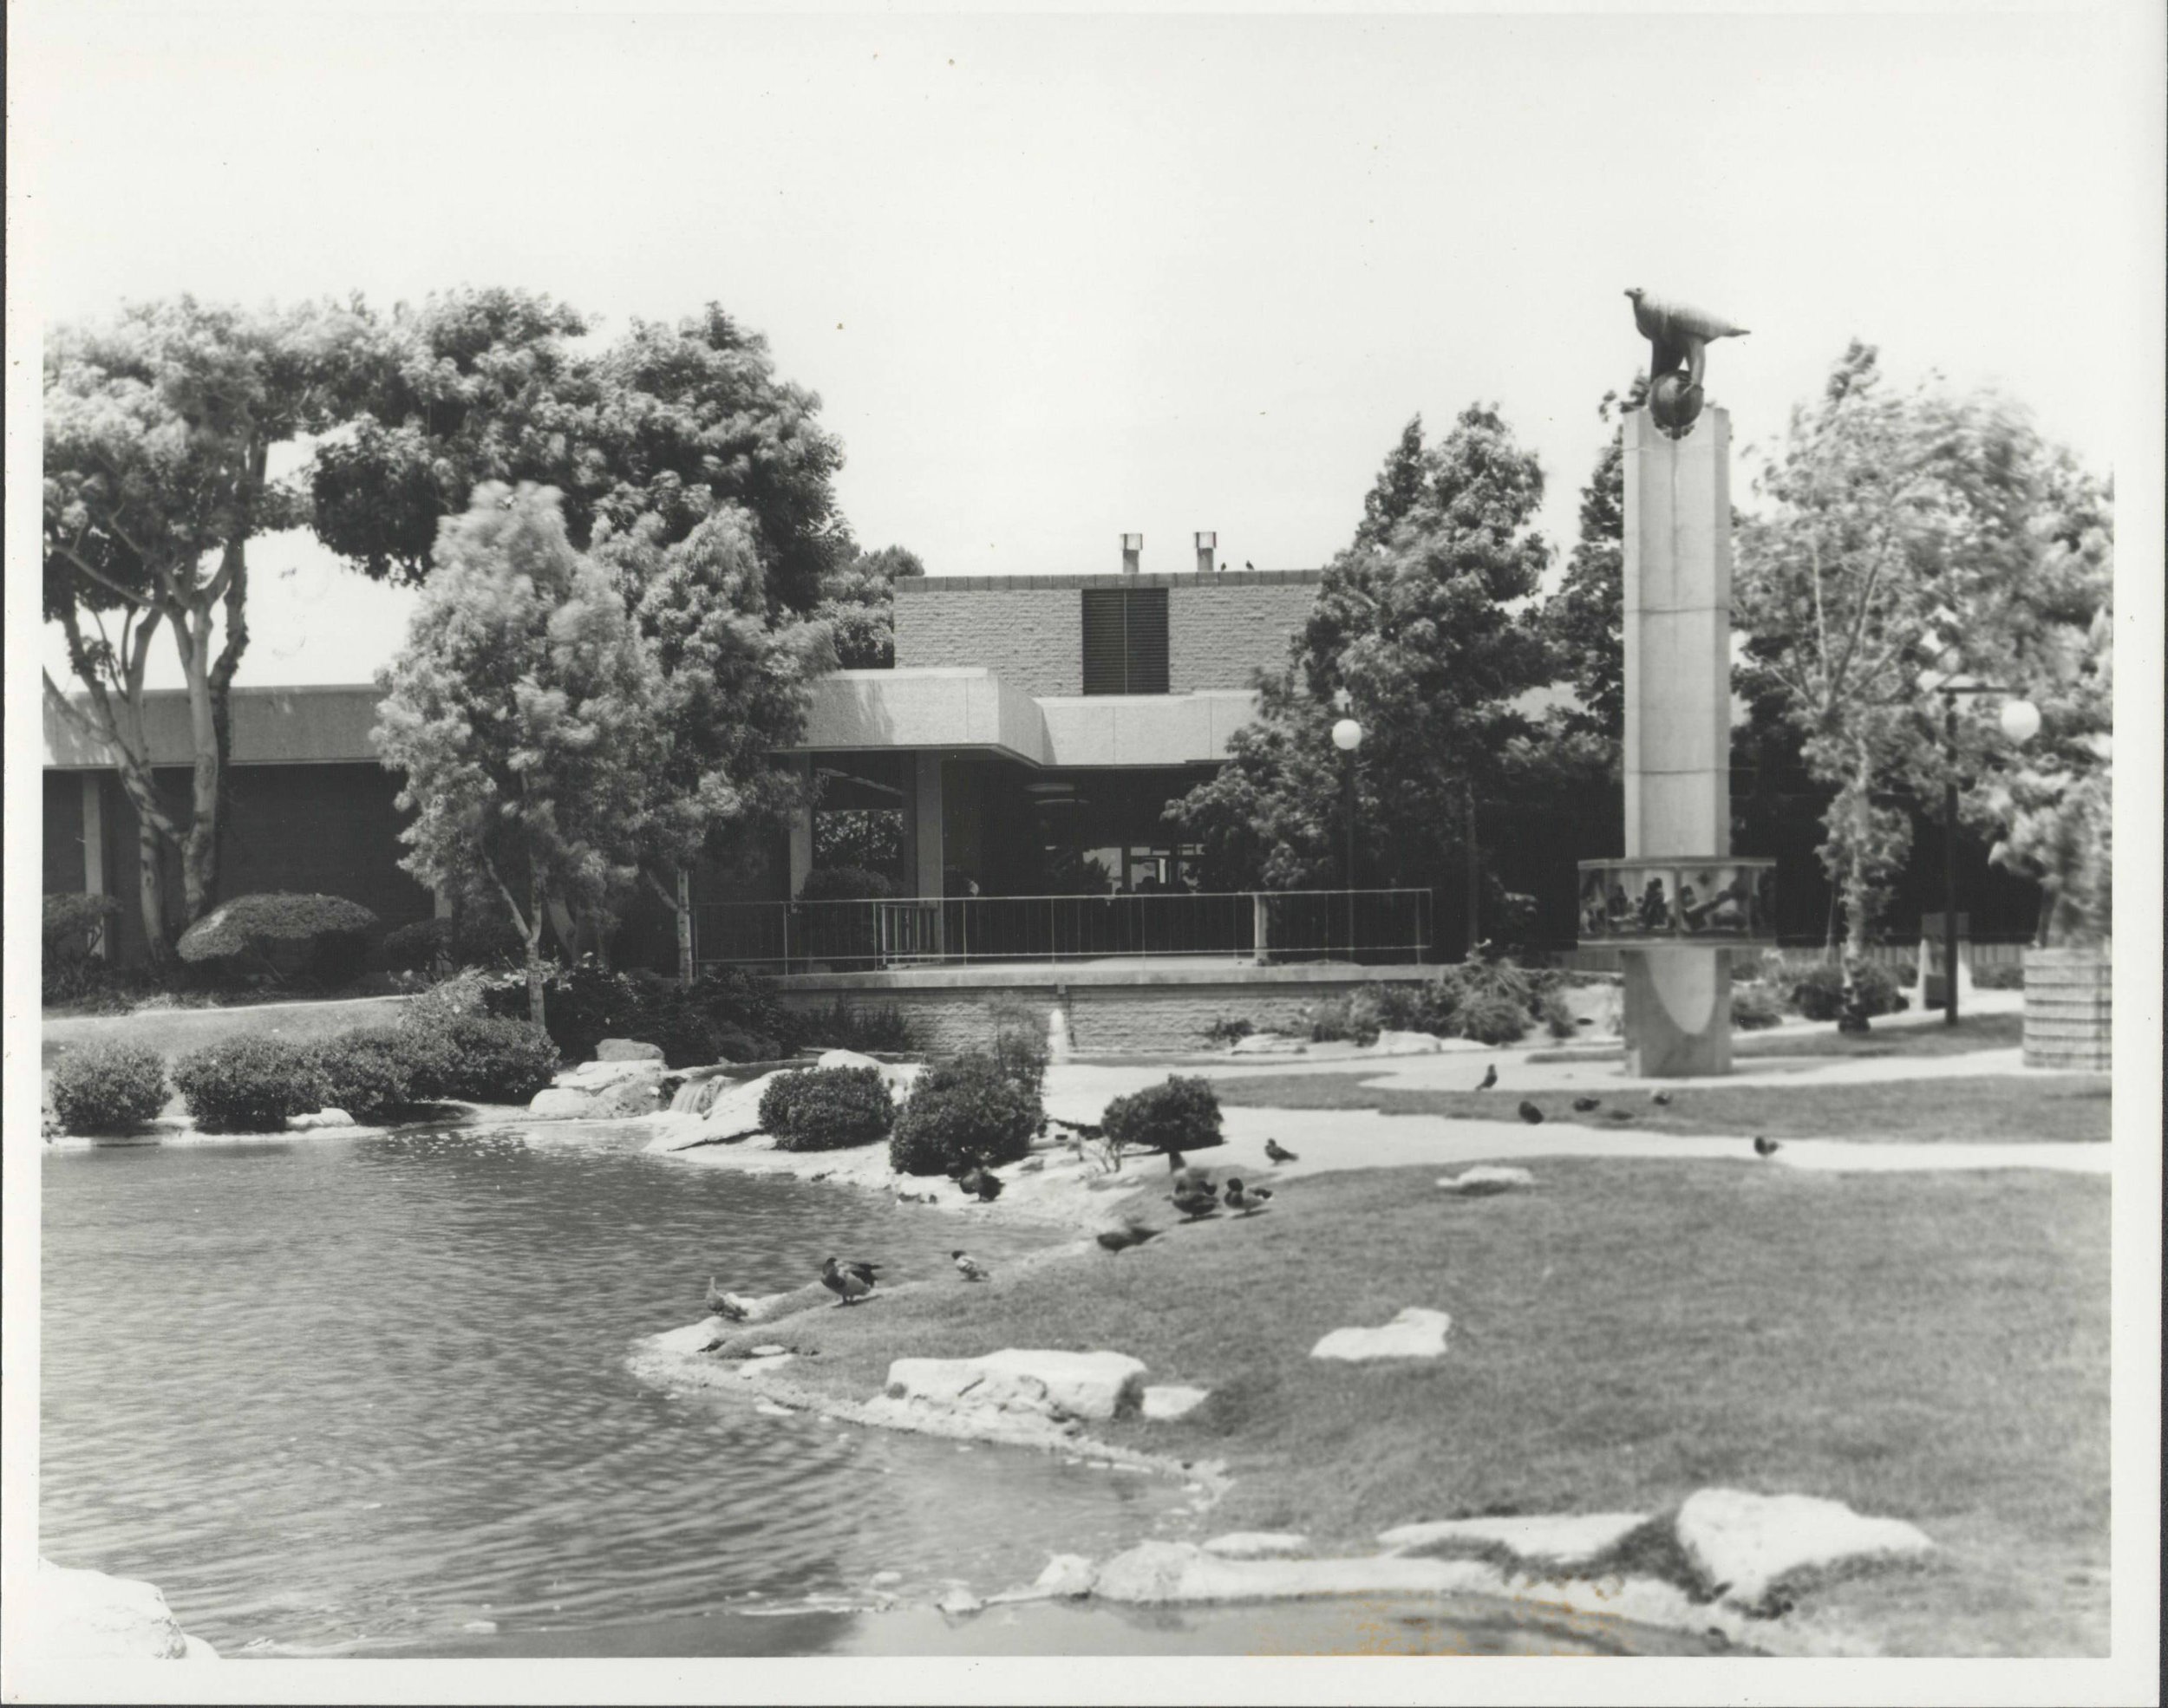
[[2068, 1011]]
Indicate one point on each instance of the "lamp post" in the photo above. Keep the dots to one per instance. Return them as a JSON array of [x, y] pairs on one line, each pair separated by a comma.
[[2019, 719], [1346, 735]]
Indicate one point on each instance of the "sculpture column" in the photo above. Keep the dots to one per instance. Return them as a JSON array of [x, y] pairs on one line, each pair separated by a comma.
[[1677, 749]]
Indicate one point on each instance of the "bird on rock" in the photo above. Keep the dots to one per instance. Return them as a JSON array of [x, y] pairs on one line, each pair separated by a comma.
[[1662, 1099], [1245, 1200], [1530, 1114], [1582, 1104], [1678, 334], [1765, 1147], [727, 1306], [1131, 1233], [970, 1268], [1489, 1078], [850, 1281], [1195, 1201], [1278, 1152]]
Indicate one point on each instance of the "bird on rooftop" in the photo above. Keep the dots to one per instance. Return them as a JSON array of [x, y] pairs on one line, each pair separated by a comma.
[[849, 1281], [970, 1268], [1530, 1114], [1247, 564], [1121, 1239], [1662, 1099], [1278, 1152], [1195, 1201], [1245, 1200], [1582, 1104], [1765, 1147], [1489, 1078]]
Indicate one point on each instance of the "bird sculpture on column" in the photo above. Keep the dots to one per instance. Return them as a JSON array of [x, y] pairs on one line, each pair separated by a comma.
[[1679, 337]]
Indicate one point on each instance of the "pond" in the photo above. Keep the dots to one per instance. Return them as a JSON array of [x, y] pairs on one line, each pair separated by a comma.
[[369, 1396]]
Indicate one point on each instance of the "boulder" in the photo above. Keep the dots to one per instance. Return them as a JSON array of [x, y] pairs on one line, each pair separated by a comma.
[[1065, 1575], [959, 1600], [627, 1049], [1413, 1333], [1054, 1384], [1751, 1541], [1486, 1178], [1567, 1539], [322, 1117], [846, 1059], [84, 1615], [1255, 1544], [1151, 1571], [735, 1112], [1163, 1404], [604, 1091]]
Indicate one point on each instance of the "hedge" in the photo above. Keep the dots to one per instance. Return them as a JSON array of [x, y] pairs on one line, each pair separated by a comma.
[[827, 1108], [966, 1109], [107, 1088]]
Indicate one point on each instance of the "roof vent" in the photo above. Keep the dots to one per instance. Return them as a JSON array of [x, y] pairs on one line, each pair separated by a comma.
[[1206, 545], [1132, 552]]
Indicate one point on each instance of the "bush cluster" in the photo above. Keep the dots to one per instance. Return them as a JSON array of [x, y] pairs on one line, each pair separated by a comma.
[[475, 1058], [827, 1108], [1227, 1031], [325, 938], [1178, 1114], [843, 1026], [107, 1088], [1999, 976], [366, 1073], [1020, 1042], [1820, 994], [966, 1109], [1755, 1008], [250, 1084], [1490, 1002], [843, 884], [727, 1014]]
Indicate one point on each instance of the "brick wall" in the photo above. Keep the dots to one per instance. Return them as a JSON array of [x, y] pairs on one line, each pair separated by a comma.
[[1030, 629]]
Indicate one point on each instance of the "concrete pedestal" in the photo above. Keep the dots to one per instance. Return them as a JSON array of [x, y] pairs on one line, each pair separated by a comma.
[[1678, 1013], [1678, 746]]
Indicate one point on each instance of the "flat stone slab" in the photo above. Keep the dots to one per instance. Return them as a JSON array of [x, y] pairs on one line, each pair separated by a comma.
[[322, 1117], [627, 1049], [84, 1615], [1255, 1544], [1486, 1178], [1413, 1333], [1751, 1541], [1567, 1539], [1054, 1384], [1162, 1405]]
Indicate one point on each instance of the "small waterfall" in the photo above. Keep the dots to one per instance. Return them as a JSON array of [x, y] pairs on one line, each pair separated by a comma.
[[1057, 1034], [701, 1087]]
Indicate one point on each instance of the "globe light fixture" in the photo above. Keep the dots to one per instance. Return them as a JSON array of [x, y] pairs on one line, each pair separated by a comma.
[[2019, 719], [1346, 735]]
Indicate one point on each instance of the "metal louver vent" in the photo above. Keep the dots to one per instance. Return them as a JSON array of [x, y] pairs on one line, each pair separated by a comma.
[[1125, 640]]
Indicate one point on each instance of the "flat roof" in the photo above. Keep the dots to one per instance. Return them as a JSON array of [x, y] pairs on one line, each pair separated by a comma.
[[906, 585]]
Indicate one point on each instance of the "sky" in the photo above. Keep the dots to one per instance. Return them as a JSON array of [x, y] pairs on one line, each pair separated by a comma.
[[1056, 279]]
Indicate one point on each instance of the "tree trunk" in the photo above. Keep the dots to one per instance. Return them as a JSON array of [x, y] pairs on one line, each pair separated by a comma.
[[151, 891], [538, 910], [1857, 889], [200, 847], [684, 928]]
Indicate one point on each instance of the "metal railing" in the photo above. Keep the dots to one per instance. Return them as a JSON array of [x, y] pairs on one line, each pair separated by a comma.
[[1254, 925]]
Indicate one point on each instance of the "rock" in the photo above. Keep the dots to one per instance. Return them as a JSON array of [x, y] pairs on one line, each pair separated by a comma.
[[768, 1408], [1567, 1539], [736, 1112], [1413, 1333], [84, 1615], [959, 1600], [604, 1091], [1752, 1541], [768, 1351], [1486, 1178], [1151, 1571], [322, 1117], [1065, 1575], [1162, 1405], [627, 1049], [1267, 1043], [847, 1059], [1056, 1384], [880, 1578], [1031, 1165], [1255, 1544], [1406, 1044]]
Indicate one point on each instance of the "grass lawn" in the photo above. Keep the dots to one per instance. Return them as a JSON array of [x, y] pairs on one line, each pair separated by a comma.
[[1929, 1347], [2060, 1107], [172, 1030]]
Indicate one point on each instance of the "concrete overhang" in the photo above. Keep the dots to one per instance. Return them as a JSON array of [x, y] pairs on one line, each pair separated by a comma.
[[1145, 729], [271, 726]]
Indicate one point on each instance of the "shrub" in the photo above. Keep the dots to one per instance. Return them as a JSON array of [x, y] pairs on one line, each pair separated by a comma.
[[1999, 976], [1020, 1042], [1225, 1031], [366, 1073], [843, 884], [107, 1087], [584, 1004], [71, 925], [421, 947], [1755, 1006], [827, 1108], [1489, 1018], [1178, 1114], [1556, 1015], [250, 1084], [842, 1026], [476, 1058], [1820, 994], [1355, 1016], [965, 1110], [324, 937]]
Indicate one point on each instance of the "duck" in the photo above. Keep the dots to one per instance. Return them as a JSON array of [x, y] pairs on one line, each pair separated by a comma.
[[1131, 1233], [1530, 1114], [1246, 1200], [1622, 1114], [1186, 1178], [1766, 1147], [1582, 1104], [1662, 1099], [1195, 1201], [849, 1281], [1278, 1152], [727, 1306], [970, 1268], [982, 1183], [1489, 1078]]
